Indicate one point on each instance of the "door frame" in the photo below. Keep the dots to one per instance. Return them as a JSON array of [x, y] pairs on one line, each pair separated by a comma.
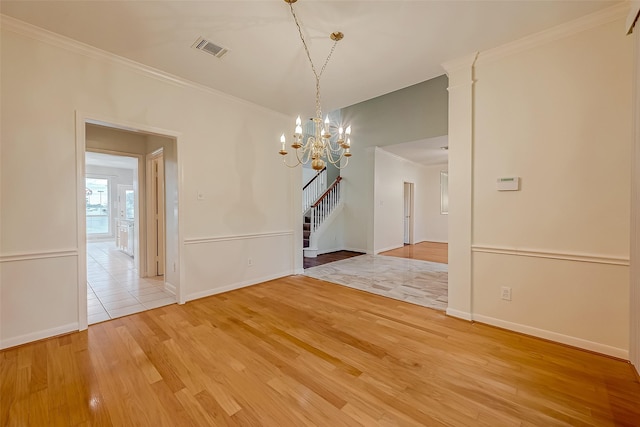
[[82, 120], [408, 197]]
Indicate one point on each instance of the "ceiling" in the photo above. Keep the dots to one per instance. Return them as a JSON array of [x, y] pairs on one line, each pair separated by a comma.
[[388, 45]]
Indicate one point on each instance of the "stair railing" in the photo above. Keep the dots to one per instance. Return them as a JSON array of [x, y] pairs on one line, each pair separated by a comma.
[[313, 189], [321, 209]]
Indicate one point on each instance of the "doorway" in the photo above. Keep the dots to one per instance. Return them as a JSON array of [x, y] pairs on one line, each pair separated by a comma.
[[114, 275], [408, 213]]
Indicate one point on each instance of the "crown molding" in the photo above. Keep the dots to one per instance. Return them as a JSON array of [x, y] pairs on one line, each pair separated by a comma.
[[405, 160], [463, 62], [40, 34], [634, 14], [605, 16]]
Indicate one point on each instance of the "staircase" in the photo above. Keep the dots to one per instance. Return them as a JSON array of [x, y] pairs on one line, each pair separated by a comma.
[[316, 215], [306, 231], [313, 189]]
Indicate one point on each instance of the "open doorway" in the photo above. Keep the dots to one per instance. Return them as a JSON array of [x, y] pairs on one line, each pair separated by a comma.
[[124, 273]]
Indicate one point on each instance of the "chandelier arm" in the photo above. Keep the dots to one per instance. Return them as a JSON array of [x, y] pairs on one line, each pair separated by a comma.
[[306, 154], [284, 160], [331, 158], [345, 164], [335, 147]]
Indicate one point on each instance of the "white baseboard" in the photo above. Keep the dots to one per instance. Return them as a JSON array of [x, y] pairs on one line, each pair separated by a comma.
[[234, 286], [35, 336], [310, 252], [554, 336], [328, 251], [364, 251], [299, 271], [459, 314], [388, 248]]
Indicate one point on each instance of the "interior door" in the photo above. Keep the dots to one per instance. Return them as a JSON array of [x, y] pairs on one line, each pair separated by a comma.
[[156, 215], [408, 213], [125, 222], [158, 185], [126, 202]]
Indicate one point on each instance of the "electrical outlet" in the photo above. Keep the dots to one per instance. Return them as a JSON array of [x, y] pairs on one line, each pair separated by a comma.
[[249, 262], [505, 293]]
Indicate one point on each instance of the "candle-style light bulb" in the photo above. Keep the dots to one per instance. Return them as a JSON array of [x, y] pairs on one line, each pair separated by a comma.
[[340, 132], [283, 140], [298, 131], [348, 130]]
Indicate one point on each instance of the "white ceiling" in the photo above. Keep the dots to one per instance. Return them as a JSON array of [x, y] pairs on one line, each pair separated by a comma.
[[388, 45]]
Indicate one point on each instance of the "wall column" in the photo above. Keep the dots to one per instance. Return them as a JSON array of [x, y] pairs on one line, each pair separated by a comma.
[[634, 327], [460, 73]]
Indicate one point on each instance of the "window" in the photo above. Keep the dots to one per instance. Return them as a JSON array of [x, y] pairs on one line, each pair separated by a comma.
[[98, 211]]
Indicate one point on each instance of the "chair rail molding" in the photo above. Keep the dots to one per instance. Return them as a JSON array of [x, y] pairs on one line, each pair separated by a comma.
[[36, 255], [551, 254]]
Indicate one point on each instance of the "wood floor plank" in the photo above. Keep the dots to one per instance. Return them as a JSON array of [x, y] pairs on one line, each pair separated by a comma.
[[425, 251], [298, 351]]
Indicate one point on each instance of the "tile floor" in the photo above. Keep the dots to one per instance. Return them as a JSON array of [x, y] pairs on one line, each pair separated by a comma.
[[114, 288], [419, 282]]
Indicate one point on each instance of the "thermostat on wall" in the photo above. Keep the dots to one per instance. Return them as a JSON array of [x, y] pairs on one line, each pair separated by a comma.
[[508, 183]]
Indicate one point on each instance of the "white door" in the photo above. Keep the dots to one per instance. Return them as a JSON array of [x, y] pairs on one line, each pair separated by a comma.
[[126, 202], [125, 226], [408, 213], [156, 237]]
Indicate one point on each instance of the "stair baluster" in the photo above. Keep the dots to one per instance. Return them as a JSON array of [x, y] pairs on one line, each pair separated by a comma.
[[313, 189]]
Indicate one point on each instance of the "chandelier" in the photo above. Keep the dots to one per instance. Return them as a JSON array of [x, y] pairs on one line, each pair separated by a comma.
[[319, 146]]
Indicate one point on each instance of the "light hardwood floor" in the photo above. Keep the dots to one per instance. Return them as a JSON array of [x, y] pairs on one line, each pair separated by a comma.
[[298, 351], [425, 251]]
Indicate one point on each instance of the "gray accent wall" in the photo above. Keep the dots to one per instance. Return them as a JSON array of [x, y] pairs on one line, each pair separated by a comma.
[[410, 114]]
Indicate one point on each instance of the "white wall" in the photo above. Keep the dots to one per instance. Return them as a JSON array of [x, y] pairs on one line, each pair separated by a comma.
[[331, 238], [249, 195], [390, 174], [554, 110], [433, 225]]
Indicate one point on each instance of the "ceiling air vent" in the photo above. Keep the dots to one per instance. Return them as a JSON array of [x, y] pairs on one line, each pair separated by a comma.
[[211, 48]]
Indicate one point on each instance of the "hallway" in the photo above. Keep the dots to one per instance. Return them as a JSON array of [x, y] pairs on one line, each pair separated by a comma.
[[114, 288]]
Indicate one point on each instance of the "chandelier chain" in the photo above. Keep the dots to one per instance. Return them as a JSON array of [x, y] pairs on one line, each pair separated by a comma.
[[318, 146], [313, 68]]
